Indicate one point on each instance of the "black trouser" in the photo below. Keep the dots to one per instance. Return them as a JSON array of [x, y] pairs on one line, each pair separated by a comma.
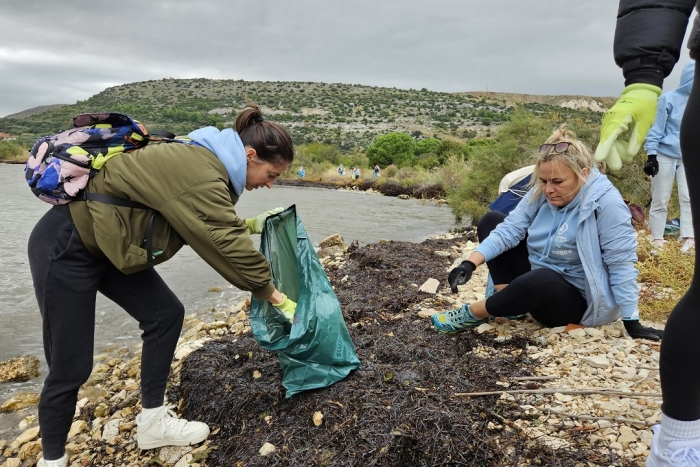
[[544, 293], [66, 281], [679, 364]]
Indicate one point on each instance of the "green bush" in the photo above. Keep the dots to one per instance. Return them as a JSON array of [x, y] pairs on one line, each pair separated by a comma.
[[427, 145], [319, 152], [512, 148], [11, 150], [390, 171], [450, 148], [428, 161], [392, 148]]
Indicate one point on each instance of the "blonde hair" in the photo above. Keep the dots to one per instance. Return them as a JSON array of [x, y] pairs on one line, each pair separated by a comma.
[[577, 157]]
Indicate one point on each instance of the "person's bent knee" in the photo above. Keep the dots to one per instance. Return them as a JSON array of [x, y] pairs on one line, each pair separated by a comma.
[[70, 375], [487, 223]]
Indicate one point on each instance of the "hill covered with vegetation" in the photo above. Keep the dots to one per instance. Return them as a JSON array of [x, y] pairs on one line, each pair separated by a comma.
[[343, 115], [459, 144]]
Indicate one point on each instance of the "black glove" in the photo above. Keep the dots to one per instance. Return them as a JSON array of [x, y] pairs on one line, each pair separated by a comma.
[[461, 274], [652, 165], [635, 329]]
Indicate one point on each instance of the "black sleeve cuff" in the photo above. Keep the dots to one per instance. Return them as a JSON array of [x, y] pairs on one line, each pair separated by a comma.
[[646, 76]]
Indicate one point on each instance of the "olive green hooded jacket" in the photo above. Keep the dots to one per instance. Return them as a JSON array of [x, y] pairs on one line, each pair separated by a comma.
[[189, 189]]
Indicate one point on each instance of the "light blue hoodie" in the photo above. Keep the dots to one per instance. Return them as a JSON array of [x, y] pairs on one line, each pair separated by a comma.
[[228, 147], [599, 259], [664, 135]]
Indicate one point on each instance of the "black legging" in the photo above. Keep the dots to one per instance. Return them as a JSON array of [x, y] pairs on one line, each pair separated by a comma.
[[544, 293], [66, 281], [680, 377]]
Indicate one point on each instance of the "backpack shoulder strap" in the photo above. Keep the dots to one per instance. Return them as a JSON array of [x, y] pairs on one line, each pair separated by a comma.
[[109, 199]]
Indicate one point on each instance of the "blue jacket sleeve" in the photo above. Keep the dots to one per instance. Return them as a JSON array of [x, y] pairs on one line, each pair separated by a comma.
[[618, 245], [511, 231], [657, 130]]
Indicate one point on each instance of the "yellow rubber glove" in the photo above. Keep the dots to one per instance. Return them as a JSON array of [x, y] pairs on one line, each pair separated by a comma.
[[256, 224], [636, 105], [287, 307]]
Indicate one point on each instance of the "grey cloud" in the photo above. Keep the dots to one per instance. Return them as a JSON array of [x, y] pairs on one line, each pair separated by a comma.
[[536, 47]]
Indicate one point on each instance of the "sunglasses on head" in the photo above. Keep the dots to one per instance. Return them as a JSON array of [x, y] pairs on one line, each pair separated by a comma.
[[557, 147]]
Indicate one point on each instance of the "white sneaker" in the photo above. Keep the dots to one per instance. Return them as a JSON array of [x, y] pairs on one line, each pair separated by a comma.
[[163, 428], [656, 246], [688, 244], [62, 462], [678, 453]]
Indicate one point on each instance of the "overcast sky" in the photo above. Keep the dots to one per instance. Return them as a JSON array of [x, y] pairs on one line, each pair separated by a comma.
[[61, 51]]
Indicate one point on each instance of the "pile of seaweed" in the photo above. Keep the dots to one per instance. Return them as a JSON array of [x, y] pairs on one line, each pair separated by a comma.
[[388, 188], [404, 407]]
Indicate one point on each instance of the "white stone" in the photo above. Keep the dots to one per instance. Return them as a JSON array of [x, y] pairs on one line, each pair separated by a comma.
[[172, 454], [482, 328], [611, 406], [578, 333], [188, 348], [430, 286], [111, 430], [184, 461], [426, 312], [624, 373], [645, 437], [596, 361], [77, 427], [267, 449], [29, 435]]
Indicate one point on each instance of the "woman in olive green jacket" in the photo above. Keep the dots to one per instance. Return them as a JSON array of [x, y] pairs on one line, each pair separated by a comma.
[[185, 193]]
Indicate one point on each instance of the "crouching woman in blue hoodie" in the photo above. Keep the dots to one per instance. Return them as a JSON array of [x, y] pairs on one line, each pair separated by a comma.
[[565, 254]]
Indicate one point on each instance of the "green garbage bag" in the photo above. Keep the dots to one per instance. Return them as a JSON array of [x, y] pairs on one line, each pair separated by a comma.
[[316, 350]]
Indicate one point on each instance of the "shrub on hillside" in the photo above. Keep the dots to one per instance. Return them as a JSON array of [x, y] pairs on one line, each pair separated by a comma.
[[512, 148], [12, 151], [392, 148]]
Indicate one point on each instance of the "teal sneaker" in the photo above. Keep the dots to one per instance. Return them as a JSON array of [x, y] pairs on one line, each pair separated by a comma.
[[457, 320]]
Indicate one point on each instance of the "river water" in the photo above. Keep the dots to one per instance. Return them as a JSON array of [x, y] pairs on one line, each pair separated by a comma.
[[354, 215]]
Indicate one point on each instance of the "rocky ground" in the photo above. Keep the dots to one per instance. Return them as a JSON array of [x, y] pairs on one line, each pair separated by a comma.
[[506, 393]]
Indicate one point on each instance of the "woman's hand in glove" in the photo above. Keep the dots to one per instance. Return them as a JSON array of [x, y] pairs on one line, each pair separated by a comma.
[[636, 330], [651, 168], [287, 307], [256, 224], [461, 274], [636, 107]]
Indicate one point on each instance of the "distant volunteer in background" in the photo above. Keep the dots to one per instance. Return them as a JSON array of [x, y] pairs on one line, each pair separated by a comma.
[[85, 247], [664, 162], [565, 254]]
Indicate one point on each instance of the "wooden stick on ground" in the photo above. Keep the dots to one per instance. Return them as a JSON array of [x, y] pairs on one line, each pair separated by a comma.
[[533, 378], [631, 421], [583, 391]]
